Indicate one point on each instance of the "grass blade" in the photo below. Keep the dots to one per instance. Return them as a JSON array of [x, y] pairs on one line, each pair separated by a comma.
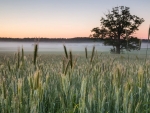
[[71, 60], [93, 51], [35, 53], [86, 52], [65, 49]]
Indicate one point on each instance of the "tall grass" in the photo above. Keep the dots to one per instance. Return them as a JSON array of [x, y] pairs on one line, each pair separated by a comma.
[[72, 85]]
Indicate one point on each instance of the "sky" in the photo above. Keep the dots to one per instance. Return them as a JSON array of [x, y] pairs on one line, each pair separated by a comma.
[[63, 18]]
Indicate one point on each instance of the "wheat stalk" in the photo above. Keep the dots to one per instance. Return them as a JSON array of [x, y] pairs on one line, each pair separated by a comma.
[[92, 56], [86, 54], [35, 53], [65, 49]]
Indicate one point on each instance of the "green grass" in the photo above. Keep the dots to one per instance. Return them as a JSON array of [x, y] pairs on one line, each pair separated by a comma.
[[90, 82]]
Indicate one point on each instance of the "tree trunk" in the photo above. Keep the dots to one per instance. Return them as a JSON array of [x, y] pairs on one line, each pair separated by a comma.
[[118, 49]]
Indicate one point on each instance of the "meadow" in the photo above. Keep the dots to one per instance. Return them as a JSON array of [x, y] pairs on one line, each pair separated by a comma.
[[91, 82]]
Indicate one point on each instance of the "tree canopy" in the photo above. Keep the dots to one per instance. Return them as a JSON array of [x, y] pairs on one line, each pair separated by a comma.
[[117, 29]]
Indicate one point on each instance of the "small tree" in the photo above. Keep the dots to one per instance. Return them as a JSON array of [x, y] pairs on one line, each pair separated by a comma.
[[117, 29]]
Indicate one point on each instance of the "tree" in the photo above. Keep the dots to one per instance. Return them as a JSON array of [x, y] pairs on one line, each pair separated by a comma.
[[117, 29]]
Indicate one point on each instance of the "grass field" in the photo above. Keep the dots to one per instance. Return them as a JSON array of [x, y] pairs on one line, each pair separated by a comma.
[[69, 82]]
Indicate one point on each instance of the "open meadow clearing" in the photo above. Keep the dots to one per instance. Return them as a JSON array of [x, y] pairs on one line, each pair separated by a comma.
[[91, 82]]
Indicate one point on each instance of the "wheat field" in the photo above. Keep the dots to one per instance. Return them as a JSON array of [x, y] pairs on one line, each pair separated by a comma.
[[68, 83]]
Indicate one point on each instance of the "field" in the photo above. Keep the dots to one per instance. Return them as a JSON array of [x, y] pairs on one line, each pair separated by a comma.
[[90, 82]]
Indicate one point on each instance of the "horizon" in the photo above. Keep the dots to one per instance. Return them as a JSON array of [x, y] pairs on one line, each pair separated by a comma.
[[54, 38], [59, 19]]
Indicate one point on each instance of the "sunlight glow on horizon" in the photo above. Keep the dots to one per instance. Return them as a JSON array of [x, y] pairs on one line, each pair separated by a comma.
[[58, 19]]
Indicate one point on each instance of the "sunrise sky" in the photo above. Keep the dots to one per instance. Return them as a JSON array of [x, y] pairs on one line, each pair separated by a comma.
[[63, 18]]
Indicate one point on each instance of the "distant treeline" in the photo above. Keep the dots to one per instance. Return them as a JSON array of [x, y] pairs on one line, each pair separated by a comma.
[[78, 39], [50, 39]]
